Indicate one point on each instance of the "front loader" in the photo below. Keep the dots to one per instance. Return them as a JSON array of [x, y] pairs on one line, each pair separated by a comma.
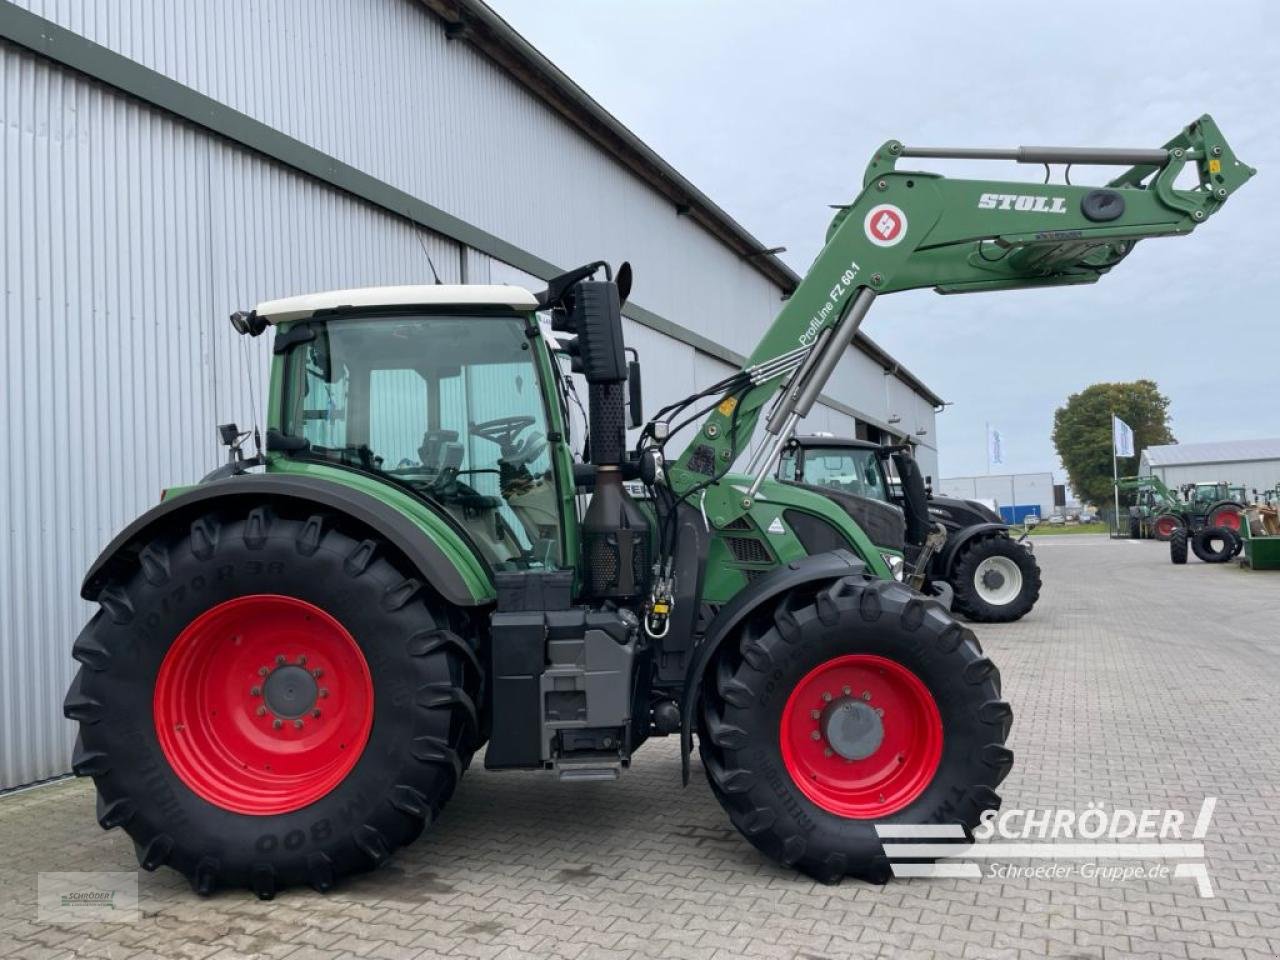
[[1160, 512], [293, 662]]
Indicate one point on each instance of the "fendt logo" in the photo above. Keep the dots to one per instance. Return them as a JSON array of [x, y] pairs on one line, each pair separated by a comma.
[[885, 225], [1022, 202]]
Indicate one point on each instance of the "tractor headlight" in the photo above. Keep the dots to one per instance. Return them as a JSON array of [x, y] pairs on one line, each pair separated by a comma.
[[897, 566]]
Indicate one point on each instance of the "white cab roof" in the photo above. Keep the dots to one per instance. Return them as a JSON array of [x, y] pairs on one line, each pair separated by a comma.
[[435, 295]]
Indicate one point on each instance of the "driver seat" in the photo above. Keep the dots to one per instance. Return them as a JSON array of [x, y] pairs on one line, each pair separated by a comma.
[[435, 448]]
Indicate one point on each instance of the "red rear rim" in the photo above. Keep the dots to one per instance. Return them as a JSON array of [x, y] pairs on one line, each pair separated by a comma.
[[861, 736], [263, 704], [1165, 526], [1226, 518]]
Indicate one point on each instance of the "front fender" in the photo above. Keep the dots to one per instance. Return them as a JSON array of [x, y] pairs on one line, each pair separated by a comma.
[[955, 541], [418, 547], [819, 566]]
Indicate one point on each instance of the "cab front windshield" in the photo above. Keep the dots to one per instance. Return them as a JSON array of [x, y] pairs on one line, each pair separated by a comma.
[[849, 470], [450, 407]]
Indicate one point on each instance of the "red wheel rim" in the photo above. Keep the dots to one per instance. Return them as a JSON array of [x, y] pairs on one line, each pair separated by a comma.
[[1226, 518], [880, 776], [263, 704], [1165, 526]]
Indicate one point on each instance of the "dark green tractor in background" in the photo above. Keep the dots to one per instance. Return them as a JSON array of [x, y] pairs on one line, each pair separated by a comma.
[[293, 662], [959, 550]]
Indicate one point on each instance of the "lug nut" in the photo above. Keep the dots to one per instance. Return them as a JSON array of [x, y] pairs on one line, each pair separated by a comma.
[[262, 671], [317, 673], [277, 723], [826, 698], [815, 714], [262, 711], [255, 691], [866, 694], [316, 714], [302, 661], [323, 692], [846, 691], [816, 735], [279, 658], [879, 711], [297, 724], [827, 752]]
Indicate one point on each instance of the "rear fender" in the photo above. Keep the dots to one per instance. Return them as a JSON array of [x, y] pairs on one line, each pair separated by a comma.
[[419, 548], [815, 568], [956, 542]]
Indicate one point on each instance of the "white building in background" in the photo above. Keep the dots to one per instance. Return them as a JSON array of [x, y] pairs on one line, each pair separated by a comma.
[[1252, 464], [1016, 495], [166, 162]]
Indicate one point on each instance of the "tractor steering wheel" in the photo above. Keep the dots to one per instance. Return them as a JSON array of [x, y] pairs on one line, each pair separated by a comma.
[[504, 430]]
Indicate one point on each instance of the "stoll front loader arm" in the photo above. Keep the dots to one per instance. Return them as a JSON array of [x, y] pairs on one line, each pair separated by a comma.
[[909, 229]]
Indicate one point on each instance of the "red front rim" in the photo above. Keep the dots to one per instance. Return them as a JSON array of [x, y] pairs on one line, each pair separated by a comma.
[[263, 704], [896, 756], [1165, 526], [1226, 518]]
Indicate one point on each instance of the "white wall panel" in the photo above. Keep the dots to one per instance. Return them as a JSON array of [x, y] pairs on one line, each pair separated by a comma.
[[128, 238]]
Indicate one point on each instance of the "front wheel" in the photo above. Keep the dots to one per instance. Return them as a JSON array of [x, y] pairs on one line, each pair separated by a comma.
[[267, 701], [995, 580], [859, 705]]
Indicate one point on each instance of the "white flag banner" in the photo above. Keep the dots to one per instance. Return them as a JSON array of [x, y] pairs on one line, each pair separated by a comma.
[[995, 447], [1122, 435]]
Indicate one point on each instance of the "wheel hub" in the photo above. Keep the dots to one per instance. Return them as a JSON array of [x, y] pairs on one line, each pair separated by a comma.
[[263, 704], [993, 579], [290, 691], [852, 728], [861, 736]]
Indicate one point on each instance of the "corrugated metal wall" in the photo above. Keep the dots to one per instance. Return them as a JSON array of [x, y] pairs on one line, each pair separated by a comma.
[[129, 236], [1250, 474]]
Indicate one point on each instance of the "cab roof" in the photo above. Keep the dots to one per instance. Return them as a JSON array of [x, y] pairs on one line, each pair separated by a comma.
[[827, 440], [288, 309]]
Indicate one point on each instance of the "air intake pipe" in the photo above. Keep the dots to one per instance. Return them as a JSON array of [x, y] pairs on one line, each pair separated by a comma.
[[615, 532]]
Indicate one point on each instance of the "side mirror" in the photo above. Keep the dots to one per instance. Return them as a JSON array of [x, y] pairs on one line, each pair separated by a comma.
[[635, 399]]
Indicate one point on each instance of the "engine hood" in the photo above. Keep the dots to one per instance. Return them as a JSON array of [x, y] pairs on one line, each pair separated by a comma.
[[957, 514]]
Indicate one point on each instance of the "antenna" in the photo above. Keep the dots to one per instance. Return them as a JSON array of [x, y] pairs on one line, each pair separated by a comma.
[[427, 254]]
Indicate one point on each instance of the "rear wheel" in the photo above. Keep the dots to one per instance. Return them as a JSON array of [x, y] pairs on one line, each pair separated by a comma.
[[1178, 545], [995, 580], [1164, 525], [864, 703], [1225, 515], [267, 701], [1135, 527]]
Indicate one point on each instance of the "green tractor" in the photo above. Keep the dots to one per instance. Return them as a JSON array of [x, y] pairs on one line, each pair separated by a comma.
[[957, 550], [1159, 512], [293, 662]]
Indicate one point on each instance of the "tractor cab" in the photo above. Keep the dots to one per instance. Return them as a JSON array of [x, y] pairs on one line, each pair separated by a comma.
[[446, 392]]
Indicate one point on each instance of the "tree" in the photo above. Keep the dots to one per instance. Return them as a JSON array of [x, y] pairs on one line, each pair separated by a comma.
[[1082, 432]]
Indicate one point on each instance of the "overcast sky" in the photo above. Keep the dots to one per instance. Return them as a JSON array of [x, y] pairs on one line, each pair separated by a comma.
[[773, 110]]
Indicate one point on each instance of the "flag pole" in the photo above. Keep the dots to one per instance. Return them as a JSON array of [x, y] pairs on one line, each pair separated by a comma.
[[1115, 471], [988, 443]]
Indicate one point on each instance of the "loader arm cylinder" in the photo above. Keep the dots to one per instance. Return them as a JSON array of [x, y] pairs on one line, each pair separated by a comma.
[[1100, 156]]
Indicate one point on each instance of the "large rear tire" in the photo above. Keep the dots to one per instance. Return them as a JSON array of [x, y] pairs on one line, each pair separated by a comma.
[[995, 580], [909, 725], [269, 701]]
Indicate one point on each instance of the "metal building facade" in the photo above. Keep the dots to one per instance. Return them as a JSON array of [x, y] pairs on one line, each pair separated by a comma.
[[164, 163], [1252, 464]]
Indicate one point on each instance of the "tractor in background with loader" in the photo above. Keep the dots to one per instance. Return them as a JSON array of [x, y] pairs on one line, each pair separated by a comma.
[[293, 662], [1159, 512]]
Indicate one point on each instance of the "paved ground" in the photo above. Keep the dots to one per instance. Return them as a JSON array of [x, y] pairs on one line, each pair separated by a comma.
[[1135, 683]]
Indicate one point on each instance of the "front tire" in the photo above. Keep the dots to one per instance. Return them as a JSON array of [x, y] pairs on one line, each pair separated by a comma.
[[1178, 545], [995, 580], [269, 701], [885, 677]]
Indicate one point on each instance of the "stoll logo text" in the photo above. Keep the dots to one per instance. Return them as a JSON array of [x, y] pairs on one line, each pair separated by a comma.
[[1022, 202]]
